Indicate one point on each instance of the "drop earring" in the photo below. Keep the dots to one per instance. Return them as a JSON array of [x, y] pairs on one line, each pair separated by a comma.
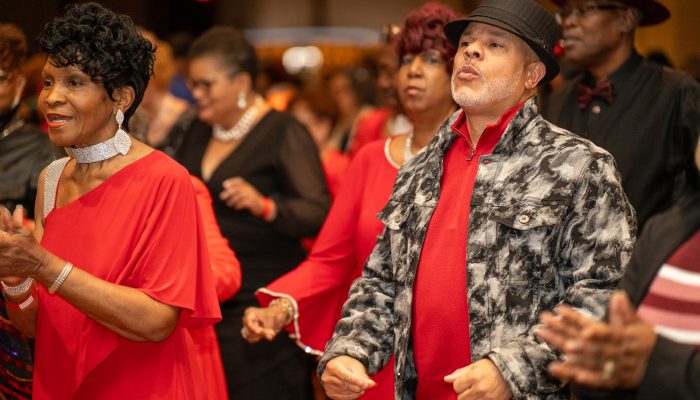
[[242, 102], [122, 141]]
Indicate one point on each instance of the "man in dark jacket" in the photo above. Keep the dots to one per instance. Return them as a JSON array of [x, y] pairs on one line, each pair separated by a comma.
[[647, 116], [504, 215]]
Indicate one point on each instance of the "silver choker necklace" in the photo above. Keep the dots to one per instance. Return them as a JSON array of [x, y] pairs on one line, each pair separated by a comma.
[[120, 143], [243, 125]]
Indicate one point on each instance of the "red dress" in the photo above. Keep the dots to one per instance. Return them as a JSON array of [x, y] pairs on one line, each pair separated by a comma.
[[320, 284], [139, 228], [227, 278]]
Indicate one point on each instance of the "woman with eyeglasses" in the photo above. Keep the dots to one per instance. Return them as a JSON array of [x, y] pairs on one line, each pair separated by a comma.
[[268, 187], [307, 302]]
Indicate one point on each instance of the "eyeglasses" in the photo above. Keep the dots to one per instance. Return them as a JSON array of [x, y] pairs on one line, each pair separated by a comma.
[[578, 12], [204, 84]]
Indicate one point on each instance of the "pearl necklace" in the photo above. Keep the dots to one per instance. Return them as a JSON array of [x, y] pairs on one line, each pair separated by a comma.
[[407, 147], [243, 125], [120, 143]]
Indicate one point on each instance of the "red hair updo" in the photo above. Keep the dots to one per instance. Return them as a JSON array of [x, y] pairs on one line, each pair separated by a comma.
[[423, 31]]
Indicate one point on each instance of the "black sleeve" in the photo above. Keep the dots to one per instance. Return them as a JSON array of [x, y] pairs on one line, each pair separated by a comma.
[[303, 201]]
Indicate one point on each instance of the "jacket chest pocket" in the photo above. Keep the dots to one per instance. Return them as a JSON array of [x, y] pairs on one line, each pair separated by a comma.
[[526, 247], [394, 217], [527, 237]]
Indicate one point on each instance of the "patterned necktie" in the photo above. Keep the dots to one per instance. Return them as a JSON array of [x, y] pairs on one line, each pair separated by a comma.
[[603, 90]]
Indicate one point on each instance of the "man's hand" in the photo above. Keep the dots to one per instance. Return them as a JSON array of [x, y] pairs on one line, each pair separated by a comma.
[[345, 378], [599, 354], [480, 380]]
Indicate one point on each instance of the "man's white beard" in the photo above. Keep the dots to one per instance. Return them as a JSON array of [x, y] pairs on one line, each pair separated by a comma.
[[491, 91]]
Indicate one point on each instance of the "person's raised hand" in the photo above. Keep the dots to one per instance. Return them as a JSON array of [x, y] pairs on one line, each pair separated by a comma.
[[20, 254]]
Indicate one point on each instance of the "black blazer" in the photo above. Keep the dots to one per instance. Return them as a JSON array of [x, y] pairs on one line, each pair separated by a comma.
[[673, 371]]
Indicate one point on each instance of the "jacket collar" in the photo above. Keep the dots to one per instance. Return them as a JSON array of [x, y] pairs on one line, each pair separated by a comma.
[[422, 184]]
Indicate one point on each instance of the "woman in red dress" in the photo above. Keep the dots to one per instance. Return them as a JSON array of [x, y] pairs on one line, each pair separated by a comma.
[[307, 301], [117, 272]]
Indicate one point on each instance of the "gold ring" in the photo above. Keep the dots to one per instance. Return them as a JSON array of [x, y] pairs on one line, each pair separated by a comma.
[[608, 369]]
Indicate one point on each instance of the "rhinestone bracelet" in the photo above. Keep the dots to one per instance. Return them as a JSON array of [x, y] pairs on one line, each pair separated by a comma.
[[285, 305], [18, 290], [61, 278]]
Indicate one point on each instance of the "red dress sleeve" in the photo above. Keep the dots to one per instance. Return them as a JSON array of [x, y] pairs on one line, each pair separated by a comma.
[[168, 270], [318, 286], [224, 264]]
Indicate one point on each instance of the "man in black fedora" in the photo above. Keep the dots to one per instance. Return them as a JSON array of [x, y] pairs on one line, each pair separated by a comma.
[[645, 115], [504, 215]]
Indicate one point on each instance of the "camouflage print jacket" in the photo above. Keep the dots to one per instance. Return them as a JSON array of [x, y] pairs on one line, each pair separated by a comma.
[[549, 223]]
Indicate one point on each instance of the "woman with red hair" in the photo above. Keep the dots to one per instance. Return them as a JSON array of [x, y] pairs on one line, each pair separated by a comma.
[[307, 301]]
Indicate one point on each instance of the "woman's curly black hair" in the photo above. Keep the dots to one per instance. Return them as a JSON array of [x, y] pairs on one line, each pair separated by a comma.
[[105, 45]]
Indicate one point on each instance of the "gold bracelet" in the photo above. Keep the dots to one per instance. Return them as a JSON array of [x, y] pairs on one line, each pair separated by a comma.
[[60, 278], [286, 305]]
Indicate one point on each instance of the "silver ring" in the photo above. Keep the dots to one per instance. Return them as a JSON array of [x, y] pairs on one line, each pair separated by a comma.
[[608, 369], [244, 332]]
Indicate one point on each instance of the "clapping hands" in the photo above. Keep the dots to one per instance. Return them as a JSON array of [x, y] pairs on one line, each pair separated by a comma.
[[599, 354]]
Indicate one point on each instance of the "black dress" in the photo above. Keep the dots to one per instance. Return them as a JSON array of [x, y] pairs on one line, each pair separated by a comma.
[[279, 158]]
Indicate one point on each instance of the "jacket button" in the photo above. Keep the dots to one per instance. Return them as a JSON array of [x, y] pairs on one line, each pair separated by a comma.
[[428, 196], [523, 219], [397, 219]]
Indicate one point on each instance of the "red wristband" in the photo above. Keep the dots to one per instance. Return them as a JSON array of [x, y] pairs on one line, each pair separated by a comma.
[[267, 208]]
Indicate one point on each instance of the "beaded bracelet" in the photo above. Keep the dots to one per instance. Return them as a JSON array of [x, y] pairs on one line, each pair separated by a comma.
[[61, 278], [18, 290], [286, 306]]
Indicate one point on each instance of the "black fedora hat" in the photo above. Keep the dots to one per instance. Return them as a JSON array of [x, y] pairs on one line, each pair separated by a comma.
[[652, 11], [523, 18]]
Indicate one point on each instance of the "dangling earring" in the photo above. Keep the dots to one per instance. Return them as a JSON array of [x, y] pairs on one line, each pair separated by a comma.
[[122, 141], [119, 116], [242, 102]]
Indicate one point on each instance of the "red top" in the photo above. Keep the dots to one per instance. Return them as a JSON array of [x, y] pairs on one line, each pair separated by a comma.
[[139, 228], [321, 283], [369, 128], [227, 279], [335, 165], [224, 264], [440, 325]]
